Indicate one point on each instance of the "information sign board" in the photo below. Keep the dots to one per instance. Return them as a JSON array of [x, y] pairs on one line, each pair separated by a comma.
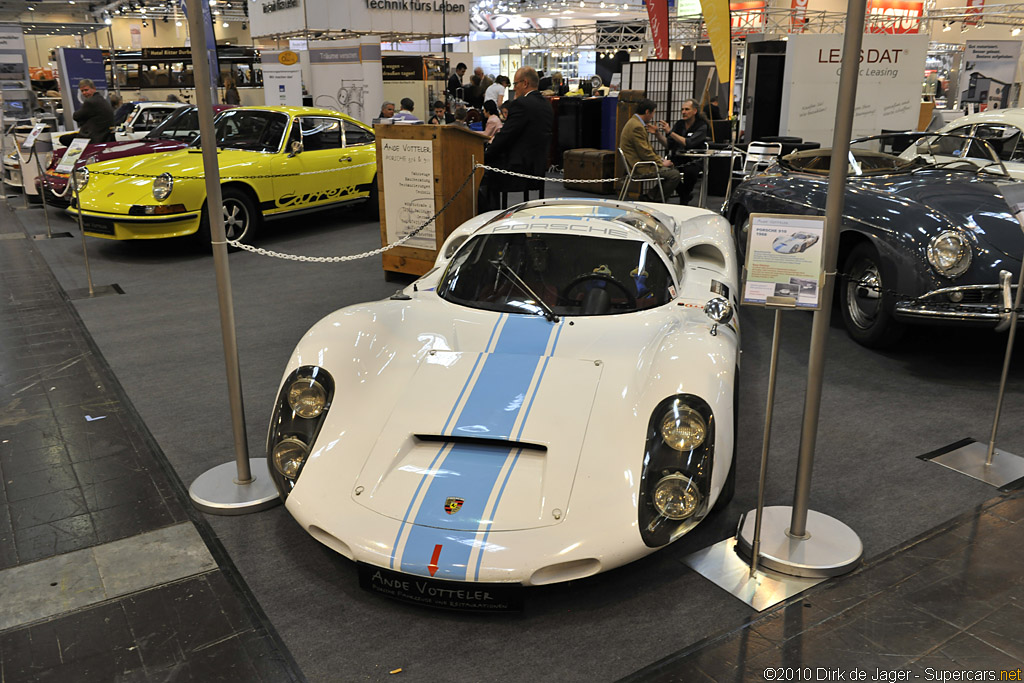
[[785, 261], [408, 174], [71, 155]]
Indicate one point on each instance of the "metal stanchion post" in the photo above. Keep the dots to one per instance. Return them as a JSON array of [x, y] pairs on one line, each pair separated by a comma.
[[90, 292], [772, 366], [42, 195], [475, 188], [230, 488]]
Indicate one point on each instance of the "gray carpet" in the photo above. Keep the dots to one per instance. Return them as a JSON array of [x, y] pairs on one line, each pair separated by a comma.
[[879, 411]]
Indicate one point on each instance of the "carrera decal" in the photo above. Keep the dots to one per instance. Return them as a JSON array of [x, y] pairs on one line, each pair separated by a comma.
[[498, 402], [292, 200]]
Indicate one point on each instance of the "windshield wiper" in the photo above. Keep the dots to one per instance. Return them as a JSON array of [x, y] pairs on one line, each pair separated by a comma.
[[511, 274]]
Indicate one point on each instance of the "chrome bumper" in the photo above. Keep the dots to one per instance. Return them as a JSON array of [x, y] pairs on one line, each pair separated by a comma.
[[983, 305]]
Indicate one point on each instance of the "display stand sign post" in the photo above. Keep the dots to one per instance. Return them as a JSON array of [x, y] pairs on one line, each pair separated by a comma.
[[990, 464], [89, 292], [785, 261]]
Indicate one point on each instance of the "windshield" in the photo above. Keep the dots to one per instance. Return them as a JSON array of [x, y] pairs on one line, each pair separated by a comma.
[[181, 125], [861, 162], [256, 130], [571, 274]]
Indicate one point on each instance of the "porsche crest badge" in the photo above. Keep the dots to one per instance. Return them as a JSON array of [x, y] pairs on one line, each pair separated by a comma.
[[453, 505]]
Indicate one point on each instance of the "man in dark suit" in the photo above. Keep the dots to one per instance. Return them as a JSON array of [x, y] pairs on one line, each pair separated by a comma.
[[95, 117], [522, 143], [455, 87]]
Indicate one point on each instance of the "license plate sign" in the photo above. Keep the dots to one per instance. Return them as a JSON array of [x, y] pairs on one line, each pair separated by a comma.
[[454, 595]]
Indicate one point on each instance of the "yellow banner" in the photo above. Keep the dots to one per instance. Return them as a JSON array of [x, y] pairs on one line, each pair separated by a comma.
[[716, 18]]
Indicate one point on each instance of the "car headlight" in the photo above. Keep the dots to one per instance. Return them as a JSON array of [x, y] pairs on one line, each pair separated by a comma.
[[678, 461], [299, 413], [682, 427], [307, 398], [162, 186], [676, 496], [81, 176], [288, 456], [950, 253]]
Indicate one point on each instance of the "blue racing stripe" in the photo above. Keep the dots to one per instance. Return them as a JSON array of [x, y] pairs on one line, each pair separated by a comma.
[[470, 471]]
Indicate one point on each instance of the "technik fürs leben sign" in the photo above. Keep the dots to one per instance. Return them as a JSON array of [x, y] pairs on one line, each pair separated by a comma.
[[415, 5]]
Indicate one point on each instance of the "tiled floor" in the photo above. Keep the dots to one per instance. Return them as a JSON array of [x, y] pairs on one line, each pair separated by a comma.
[[81, 476], [96, 582]]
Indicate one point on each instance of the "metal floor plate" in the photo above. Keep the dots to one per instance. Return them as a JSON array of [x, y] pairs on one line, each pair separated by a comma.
[[970, 460]]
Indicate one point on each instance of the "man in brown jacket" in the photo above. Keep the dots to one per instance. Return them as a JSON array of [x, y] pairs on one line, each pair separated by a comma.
[[636, 147]]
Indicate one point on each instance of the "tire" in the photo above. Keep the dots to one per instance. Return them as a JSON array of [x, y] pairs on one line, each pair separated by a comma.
[[867, 315], [241, 218]]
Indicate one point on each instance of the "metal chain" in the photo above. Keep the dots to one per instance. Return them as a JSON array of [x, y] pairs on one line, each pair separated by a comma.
[[942, 305], [365, 254], [537, 177]]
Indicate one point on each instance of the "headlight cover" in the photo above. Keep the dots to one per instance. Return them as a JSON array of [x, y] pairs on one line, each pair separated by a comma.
[[81, 178], [300, 411], [950, 253], [675, 481], [162, 186]]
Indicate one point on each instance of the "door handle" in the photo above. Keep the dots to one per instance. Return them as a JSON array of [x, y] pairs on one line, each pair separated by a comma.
[[345, 159]]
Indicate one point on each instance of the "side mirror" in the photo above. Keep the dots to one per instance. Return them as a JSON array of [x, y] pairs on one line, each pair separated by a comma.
[[295, 148], [719, 310]]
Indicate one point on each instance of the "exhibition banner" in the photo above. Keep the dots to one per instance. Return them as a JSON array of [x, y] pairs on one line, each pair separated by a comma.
[[75, 64], [282, 78], [888, 85], [408, 174], [716, 20], [747, 17], [894, 16], [657, 14], [973, 11], [346, 76], [13, 59], [275, 17], [798, 17], [989, 71]]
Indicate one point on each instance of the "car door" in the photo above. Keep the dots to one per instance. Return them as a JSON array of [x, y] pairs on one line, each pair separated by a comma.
[[359, 162], [310, 170]]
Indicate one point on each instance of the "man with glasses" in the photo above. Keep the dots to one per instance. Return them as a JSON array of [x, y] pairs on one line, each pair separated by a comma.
[[95, 117], [688, 134], [522, 143]]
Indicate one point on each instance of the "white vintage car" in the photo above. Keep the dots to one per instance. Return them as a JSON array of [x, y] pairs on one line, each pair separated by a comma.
[[555, 398], [1000, 128], [144, 117]]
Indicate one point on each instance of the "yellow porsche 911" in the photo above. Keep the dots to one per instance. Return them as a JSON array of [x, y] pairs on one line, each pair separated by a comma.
[[274, 161]]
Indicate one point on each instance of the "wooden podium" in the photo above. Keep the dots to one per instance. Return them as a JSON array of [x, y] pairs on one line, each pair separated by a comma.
[[419, 168]]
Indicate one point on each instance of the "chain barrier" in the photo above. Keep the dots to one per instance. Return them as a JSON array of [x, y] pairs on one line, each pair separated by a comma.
[[234, 177], [939, 305]]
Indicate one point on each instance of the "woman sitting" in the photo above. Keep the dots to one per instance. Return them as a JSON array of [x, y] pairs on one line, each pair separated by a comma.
[[494, 122]]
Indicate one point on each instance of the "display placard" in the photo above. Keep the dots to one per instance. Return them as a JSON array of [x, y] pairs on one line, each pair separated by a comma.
[[408, 174], [30, 141], [785, 261], [71, 155]]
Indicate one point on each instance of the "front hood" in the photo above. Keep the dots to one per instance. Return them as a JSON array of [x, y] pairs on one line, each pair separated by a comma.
[[977, 205], [473, 430]]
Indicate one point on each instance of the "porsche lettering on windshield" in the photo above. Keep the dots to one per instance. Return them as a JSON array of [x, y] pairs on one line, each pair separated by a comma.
[[574, 226]]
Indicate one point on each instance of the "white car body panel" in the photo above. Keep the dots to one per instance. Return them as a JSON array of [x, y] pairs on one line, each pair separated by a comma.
[[574, 398], [143, 118], [1013, 160]]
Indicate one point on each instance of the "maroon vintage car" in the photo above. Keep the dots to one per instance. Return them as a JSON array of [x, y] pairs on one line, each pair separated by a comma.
[[175, 132]]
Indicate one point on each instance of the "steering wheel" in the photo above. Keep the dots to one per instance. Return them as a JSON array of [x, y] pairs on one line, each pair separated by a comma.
[[604, 278]]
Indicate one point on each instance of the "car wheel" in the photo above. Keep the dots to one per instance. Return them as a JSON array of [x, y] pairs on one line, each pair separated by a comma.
[[241, 217], [867, 312]]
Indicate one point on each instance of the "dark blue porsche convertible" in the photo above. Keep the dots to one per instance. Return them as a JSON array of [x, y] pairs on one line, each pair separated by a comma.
[[921, 242]]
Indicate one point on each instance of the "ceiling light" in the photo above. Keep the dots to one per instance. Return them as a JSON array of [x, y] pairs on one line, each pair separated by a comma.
[[945, 26], [225, 24], [108, 21], [178, 23], [1015, 31]]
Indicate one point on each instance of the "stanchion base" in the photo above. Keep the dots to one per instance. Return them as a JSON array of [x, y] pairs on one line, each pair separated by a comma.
[[722, 565], [102, 290], [970, 459], [216, 492], [12, 236], [831, 548], [52, 236]]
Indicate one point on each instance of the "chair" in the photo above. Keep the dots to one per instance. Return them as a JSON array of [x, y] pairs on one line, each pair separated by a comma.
[[759, 156], [643, 181]]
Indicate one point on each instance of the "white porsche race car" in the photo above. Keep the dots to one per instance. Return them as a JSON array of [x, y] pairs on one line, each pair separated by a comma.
[[555, 398]]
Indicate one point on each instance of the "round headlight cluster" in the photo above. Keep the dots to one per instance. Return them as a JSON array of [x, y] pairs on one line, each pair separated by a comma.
[[676, 496], [307, 398], [162, 186], [81, 176], [288, 456], [950, 253], [682, 427]]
